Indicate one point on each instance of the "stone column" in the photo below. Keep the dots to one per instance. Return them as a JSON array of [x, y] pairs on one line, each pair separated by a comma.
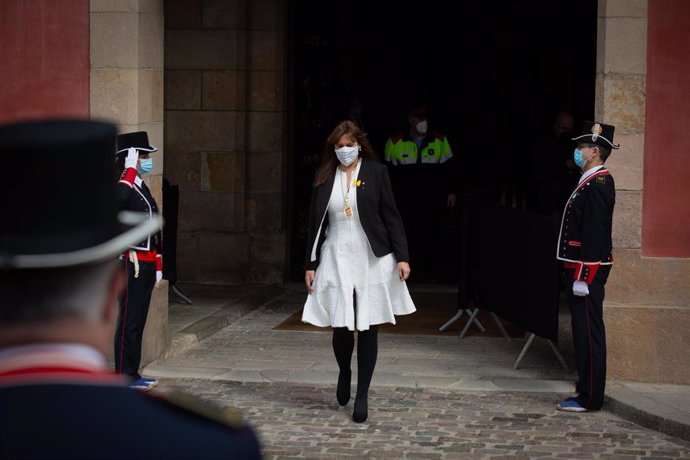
[[224, 134], [126, 88], [265, 147], [646, 321]]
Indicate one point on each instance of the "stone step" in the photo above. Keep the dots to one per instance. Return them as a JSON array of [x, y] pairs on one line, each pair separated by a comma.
[[230, 304]]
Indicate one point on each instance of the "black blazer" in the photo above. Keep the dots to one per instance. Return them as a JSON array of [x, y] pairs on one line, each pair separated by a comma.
[[377, 212]]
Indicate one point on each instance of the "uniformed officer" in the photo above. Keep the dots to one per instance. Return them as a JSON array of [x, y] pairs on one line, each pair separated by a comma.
[[59, 287], [143, 261], [419, 160], [584, 246]]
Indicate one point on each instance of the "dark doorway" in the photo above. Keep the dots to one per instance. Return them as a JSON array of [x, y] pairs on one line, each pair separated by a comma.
[[494, 73]]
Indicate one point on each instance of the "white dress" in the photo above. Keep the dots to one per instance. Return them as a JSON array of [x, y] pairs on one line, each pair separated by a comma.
[[348, 266]]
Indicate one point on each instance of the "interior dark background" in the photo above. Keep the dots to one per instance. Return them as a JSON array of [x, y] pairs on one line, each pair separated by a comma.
[[494, 73]]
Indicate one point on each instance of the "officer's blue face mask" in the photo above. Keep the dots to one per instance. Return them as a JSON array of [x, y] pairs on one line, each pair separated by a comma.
[[579, 160], [145, 165]]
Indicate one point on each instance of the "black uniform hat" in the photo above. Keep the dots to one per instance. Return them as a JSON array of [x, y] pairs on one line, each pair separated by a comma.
[[139, 140], [58, 198], [597, 133]]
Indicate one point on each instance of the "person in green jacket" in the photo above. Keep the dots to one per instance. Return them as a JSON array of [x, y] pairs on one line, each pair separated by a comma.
[[420, 163]]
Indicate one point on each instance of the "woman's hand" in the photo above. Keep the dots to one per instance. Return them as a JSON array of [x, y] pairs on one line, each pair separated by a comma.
[[309, 280], [403, 270]]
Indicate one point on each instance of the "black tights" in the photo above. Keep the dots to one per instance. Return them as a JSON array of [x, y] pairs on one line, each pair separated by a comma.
[[367, 350]]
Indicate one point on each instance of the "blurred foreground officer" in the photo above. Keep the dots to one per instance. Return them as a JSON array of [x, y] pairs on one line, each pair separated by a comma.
[[59, 287], [584, 246]]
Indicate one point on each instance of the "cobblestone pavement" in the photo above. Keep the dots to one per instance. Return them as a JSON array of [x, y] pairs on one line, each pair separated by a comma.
[[437, 397], [304, 421]]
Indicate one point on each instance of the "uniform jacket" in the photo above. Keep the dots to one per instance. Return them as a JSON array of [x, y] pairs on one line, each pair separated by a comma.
[[377, 211], [584, 239], [135, 196], [420, 171], [60, 408]]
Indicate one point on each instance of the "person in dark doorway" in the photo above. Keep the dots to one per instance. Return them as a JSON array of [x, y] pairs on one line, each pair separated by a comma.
[[357, 259], [585, 247], [60, 281], [554, 174], [143, 261], [422, 178]]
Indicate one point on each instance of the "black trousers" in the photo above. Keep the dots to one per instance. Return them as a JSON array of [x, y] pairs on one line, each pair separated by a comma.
[[589, 339], [134, 307]]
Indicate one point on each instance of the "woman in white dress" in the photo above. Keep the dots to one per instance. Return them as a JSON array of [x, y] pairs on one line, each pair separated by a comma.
[[357, 258]]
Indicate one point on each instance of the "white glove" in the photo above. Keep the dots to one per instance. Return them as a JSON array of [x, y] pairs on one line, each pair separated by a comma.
[[159, 277], [580, 288], [131, 158]]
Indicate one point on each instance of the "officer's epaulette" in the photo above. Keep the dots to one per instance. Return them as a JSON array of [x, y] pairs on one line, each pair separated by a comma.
[[188, 403], [601, 179]]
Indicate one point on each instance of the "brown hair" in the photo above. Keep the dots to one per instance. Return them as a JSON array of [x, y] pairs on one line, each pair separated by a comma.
[[329, 161]]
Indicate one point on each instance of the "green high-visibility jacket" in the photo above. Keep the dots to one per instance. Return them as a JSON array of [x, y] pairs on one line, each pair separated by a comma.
[[402, 150]]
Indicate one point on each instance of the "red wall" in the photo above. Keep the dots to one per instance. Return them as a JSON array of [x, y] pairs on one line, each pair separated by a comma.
[[44, 58], [666, 196]]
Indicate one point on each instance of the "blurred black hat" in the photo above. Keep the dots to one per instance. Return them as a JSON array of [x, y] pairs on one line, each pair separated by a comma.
[[597, 133], [58, 199]]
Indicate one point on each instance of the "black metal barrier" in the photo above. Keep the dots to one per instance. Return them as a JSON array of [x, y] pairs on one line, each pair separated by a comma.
[[508, 265], [171, 201], [171, 198]]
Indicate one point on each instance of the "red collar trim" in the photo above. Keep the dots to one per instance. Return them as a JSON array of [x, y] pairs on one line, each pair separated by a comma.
[[59, 374]]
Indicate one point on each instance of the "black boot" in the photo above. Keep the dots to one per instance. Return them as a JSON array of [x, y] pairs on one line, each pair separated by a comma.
[[343, 346], [361, 411], [367, 350], [343, 390]]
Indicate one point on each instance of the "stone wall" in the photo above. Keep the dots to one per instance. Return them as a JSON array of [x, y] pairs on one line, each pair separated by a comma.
[[647, 300], [224, 73], [126, 88]]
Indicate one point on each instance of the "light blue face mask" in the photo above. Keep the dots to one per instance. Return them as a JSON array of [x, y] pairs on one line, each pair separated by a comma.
[[145, 165], [579, 160]]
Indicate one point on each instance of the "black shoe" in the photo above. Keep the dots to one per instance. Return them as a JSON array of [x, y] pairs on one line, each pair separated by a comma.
[[361, 412], [343, 390]]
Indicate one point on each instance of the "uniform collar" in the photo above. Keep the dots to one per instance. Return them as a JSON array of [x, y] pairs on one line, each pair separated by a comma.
[[73, 355], [589, 172], [417, 140], [138, 180]]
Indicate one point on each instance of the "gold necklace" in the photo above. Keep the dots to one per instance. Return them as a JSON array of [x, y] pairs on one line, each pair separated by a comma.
[[347, 209]]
